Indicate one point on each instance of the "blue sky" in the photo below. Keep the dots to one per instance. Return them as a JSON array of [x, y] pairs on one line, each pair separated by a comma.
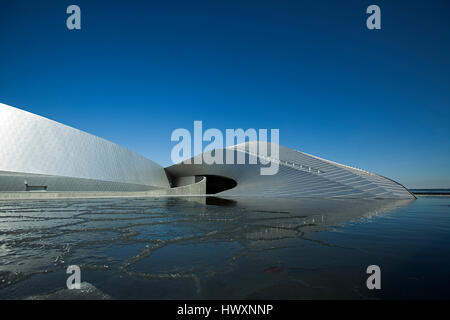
[[137, 70]]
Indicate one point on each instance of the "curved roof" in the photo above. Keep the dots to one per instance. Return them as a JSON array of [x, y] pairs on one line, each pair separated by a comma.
[[299, 175]]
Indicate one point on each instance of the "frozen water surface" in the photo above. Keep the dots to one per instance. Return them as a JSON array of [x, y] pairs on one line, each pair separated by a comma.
[[235, 248]]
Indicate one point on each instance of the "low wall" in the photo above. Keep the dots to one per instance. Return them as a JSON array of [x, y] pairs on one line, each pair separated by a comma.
[[196, 189]]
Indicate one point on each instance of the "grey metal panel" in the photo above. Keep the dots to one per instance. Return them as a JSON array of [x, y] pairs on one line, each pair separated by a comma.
[[35, 145], [12, 182], [299, 175]]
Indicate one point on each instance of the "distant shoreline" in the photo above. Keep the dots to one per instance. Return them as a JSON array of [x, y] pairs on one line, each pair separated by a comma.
[[430, 192], [431, 195]]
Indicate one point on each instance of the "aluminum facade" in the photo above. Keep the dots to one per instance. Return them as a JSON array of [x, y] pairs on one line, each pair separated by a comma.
[[36, 152], [49, 153], [299, 175]]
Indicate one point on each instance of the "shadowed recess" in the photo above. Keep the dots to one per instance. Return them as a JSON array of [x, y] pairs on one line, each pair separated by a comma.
[[216, 184]]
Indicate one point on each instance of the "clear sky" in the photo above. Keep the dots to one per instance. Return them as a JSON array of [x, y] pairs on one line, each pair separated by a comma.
[[137, 70]]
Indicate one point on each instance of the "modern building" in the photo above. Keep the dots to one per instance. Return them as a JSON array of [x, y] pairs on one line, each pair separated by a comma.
[[299, 175], [38, 154]]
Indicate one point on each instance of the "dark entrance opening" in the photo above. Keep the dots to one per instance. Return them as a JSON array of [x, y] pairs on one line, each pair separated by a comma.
[[216, 184]]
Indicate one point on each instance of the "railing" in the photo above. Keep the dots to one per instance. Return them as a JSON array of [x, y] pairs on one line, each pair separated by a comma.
[[294, 165]]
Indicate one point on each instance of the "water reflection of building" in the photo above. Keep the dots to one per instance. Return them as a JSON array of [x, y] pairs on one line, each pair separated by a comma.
[[276, 219]]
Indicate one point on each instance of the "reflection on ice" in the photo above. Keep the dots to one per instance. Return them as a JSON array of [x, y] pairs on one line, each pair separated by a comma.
[[198, 241]]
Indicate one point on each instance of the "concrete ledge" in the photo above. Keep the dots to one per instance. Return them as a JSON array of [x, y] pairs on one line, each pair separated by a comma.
[[196, 189]]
